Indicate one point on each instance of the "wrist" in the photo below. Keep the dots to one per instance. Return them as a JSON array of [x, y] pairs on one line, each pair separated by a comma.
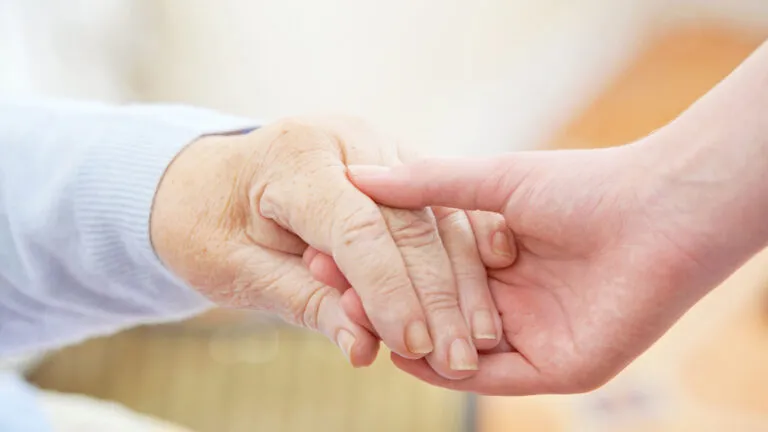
[[707, 174], [193, 208], [706, 190]]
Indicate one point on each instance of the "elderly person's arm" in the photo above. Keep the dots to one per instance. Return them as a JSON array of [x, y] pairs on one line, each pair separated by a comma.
[[77, 181], [109, 215]]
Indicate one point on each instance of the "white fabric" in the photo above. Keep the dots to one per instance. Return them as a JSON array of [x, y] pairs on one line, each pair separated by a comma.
[[76, 187]]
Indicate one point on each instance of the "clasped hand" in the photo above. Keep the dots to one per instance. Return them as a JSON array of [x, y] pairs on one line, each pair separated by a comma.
[[233, 216], [559, 273]]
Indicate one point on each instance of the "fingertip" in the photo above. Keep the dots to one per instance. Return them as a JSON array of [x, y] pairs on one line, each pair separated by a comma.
[[351, 304], [308, 255], [365, 350], [462, 358], [495, 241], [353, 307], [358, 346], [324, 269], [486, 329], [503, 247]]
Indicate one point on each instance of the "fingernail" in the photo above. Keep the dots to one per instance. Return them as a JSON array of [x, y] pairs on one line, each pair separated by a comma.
[[417, 338], [461, 356], [500, 244], [367, 170], [483, 326], [345, 340]]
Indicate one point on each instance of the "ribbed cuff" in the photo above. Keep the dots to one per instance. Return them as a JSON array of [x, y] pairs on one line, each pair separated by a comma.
[[114, 193]]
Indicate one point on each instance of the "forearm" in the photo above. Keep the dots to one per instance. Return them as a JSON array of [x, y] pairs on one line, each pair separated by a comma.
[[76, 188], [712, 166]]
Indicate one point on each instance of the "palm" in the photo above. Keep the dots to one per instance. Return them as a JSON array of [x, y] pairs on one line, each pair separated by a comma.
[[582, 299]]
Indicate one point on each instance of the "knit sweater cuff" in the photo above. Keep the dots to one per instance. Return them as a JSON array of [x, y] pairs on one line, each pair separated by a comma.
[[114, 194]]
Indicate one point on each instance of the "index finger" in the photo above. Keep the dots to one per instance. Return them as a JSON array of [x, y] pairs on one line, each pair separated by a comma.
[[467, 183]]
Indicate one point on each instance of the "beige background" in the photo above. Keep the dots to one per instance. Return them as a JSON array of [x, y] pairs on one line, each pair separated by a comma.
[[450, 77]]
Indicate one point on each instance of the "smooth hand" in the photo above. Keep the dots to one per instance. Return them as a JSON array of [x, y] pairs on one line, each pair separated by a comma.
[[613, 245], [605, 261]]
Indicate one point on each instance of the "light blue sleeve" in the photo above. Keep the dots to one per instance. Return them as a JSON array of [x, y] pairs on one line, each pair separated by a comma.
[[20, 409], [77, 182]]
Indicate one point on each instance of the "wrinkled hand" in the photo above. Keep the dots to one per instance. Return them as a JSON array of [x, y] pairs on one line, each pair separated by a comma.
[[234, 214], [603, 266]]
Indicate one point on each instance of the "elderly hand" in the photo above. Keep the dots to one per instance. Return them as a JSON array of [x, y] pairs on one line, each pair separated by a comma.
[[234, 214]]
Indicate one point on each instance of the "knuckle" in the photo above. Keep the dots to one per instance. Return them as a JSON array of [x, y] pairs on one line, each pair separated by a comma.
[[309, 314], [389, 286], [391, 301], [439, 301], [360, 223], [472, 282], [469, 271], [301, 307], [412, 229], [450, 217], [391, 297]]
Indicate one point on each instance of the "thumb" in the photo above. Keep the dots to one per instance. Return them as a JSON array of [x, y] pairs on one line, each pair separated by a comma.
[[286, 287], [464, 183]]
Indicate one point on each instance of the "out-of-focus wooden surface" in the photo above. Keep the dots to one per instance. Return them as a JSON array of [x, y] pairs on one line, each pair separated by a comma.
[[271, 379], [672, 72], [710, 372]]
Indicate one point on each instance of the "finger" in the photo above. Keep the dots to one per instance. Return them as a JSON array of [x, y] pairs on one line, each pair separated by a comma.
[[267, 234], [281, 284], [494, 239], [469, 184], [454, 356], [309, 254], [308, 193], [324, 269], [475, 299], [353, 307], [416, 234], [487, 228], [359, 345], [506, 374]]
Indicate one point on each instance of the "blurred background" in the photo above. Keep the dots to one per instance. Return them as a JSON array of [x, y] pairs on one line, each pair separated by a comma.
[[450, 78]]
